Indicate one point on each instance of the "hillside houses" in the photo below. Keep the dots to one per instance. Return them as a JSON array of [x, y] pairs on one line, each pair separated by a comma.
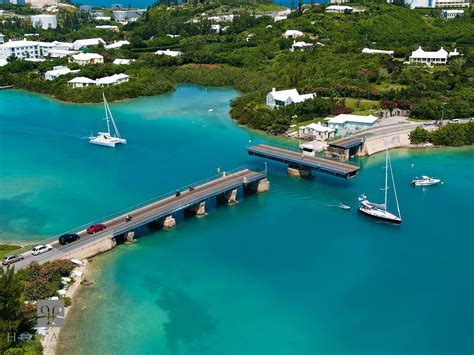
[[81, 81], [286, 97], [440, 57], [87, 58]]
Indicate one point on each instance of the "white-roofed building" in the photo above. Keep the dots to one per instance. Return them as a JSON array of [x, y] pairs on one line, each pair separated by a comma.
[[316, 131], [120, 61], [342, 9], [20, 49], [61, 53], [450, 3], [349, 123], [83, 43], [117, 44], [58, 71], [286, 97], [80, 82], [102, 18], [376, 51], [452, 13], [112, 80], [112, 28], [87, 58], [301, 46], [429, 58], [293, 34], [169, 52]]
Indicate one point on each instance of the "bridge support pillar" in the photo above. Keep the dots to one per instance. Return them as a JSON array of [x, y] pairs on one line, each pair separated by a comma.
[[169, 222], [298, 172], [201, 209], [263, 185], [130, 237]]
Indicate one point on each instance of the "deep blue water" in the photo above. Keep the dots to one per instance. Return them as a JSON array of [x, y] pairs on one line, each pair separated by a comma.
[[279, 273]]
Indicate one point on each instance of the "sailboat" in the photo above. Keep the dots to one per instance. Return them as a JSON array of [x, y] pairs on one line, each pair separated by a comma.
[[379, 211], [105, 138]]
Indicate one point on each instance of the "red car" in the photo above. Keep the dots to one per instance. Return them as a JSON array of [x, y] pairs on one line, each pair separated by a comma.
[[95, 228]]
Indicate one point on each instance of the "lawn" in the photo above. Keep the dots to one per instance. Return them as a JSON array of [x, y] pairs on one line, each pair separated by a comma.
[[7, 249]]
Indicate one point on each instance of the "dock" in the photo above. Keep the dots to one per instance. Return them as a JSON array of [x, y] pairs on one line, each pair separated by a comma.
[[302, 165], [161, 212]]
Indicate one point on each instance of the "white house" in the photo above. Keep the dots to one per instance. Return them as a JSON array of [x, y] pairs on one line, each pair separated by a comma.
[[120, 61], [20, 49], [376, 51], [44, 21], [301, 46], [293, 34], [57, 72], [169, 53], [61, 53], [83, 43], [80, 82], [108, 27], [286, 97], [116, 44], [87, 58], [452, 13], [431, 58], [339, 9], [316, 131], [450, 3], [349, 123], [112, 80]]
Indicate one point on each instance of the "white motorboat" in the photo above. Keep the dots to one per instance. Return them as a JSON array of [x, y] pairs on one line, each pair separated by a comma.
[[379, 211], [106, 139], [425, 181]]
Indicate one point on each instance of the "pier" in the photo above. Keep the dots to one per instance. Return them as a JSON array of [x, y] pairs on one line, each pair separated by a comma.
[[161, 212], [302, 165]]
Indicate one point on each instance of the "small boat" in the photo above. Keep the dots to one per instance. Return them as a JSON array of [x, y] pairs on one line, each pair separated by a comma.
[[343, 206], [425, 181], [210, 110], [105, 138], [379, 211]]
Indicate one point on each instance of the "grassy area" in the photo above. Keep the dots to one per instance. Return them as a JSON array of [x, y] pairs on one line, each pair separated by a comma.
[[362, 106], [7, 249]]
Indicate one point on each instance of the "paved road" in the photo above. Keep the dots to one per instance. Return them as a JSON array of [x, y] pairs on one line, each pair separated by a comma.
[[297, 158], [141, 216]]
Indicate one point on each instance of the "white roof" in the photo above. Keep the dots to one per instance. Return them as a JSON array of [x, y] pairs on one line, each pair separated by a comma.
[[302, 44], [283, 95], [102, 18], [376, 51], [3, 62], [117, 44], [22, 43], [81, 80], [293, 33], [420, 53], [123, 61], [169, 52], [61, 71], [339, 7], [318, 127], [88, 42], [111, 79], [343, 118], [87, 56], [448, 12]]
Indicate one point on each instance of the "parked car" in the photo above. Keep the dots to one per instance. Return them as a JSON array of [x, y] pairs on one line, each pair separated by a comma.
[[96, 228], [68, 238], [10, 259], [40, 249]]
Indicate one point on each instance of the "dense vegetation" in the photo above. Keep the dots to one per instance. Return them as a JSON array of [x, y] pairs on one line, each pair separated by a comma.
[[452, 134], [16, 315], [344, 78]]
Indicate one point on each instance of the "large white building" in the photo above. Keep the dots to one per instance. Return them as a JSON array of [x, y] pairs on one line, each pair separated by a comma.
[[440, 57], [286, 97], [346, 123], [44, 21], [437, 3], [452, 13], [20, 50]]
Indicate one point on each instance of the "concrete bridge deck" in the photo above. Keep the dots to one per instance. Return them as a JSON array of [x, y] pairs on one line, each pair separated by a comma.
[[297, 161], [157, 210]]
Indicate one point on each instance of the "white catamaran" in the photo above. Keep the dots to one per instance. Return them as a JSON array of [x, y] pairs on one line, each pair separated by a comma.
[[105, 138], [379, 211]]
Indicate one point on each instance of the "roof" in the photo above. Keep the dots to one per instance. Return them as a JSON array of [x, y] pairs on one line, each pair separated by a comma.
[[169, 52], [123, 61], [376, 51], [302, 44], [420, 53], [61, 71], [111, 79], [22, 43], [318, 127], [283, 95], [293, 33], [87, 56], [339, 7], [116, 44], [81, 80], [89, 42], [343, 118]]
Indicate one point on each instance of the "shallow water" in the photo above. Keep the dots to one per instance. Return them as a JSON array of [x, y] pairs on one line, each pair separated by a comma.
[[279, 273]]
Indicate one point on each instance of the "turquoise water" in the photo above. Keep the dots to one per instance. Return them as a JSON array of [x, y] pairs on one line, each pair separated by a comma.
[[279, 273]]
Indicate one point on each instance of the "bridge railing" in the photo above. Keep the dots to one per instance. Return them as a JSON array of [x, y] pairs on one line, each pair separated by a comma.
[[134, 207]]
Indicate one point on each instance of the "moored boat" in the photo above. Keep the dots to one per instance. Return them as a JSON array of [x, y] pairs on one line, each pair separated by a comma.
[[425, 181], [106, 139]]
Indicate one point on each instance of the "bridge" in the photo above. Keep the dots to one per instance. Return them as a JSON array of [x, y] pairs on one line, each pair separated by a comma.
[[302, 165], [161, 212]]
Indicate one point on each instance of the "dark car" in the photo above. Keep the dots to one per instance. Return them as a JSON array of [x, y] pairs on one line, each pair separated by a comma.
[[96, 228], [10, 259], [68, 238]]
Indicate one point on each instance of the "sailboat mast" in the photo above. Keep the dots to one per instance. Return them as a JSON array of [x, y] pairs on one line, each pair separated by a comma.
[[106, 113], [386, 178], [394, 188], [117, 133]]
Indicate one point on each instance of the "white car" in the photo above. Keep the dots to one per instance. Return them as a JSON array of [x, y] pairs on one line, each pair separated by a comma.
[[40, 249]]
